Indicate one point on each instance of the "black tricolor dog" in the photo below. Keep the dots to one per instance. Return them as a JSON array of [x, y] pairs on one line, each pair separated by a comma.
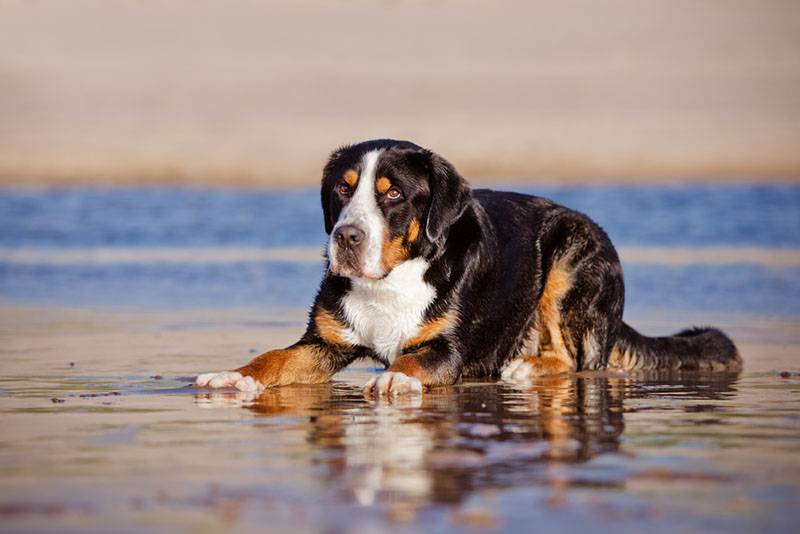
[[439, 282]]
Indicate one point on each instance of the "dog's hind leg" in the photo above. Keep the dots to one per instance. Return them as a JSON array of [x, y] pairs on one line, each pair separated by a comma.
[[576, 319], [546, 351]]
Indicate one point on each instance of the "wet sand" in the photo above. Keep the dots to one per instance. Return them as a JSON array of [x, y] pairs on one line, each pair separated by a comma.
[[179, 91], [100, 431]]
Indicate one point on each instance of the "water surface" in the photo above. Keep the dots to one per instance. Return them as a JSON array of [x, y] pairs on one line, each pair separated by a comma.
[[111, 300], [38, 227]]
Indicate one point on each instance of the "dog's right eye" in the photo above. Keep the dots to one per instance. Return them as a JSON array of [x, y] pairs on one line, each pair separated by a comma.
[[343, 189]]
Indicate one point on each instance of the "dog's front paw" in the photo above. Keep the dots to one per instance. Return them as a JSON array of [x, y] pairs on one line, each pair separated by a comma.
[[518, 371], [220, 379], [229, 379], [391, 384], [524, 369]]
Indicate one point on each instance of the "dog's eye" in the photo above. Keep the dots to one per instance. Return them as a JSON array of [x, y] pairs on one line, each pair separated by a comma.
[[393, 194], [343, 189]]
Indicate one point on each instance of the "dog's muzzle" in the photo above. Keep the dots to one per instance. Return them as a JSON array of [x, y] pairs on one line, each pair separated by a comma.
[[348, 243]]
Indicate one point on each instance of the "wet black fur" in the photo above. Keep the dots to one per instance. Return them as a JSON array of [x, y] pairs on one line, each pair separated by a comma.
[[490, 254]]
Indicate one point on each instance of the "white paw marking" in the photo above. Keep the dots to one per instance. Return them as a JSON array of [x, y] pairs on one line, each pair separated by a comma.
[[203, 380], [519, 371], [392, 384], [229, 379], [249, 384]]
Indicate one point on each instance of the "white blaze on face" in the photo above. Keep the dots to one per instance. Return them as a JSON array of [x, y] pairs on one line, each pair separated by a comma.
[[363, 212]]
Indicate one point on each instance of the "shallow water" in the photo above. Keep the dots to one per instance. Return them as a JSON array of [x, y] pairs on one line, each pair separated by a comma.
[[93, 438], [187, 248], [111, 300]]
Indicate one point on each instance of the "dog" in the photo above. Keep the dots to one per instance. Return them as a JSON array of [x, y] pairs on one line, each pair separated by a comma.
[[439, 282]]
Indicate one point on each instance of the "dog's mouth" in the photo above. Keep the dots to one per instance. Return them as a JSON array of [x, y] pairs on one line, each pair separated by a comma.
[[348, 263], [344, 262]]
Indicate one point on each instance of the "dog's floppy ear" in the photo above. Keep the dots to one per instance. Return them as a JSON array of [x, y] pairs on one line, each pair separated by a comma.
[[326, 207], [327, 186], [450, 196], [326, 212]]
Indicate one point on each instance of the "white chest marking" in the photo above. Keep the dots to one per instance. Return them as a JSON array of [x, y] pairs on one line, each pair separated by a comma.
[[384, 314]]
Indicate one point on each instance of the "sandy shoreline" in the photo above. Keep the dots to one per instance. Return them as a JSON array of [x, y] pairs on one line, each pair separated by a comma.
[[268, 181], [44, 340], [670, 256], [258, 93], [103, 427], [226, 180]]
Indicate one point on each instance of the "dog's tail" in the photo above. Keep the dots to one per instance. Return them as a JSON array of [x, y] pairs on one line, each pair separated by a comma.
[[702, 349]]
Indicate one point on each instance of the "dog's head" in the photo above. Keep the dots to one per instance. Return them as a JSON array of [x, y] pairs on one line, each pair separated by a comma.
[[386, 202]]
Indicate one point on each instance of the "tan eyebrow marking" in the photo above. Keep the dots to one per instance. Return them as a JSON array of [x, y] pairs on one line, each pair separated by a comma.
[[382, 185], [351, 178]]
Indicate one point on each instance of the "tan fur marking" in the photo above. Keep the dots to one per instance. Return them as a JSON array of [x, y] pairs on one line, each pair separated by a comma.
[[409, 365], [329, 328], [295, 365], [413, 231], [548, 365], [394, 252], [619, 359], [559, 281], [382, 185], [430, 329], [351, 178]]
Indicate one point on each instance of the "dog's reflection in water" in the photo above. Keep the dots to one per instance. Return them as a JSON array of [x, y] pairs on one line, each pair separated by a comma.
[[452, 441]]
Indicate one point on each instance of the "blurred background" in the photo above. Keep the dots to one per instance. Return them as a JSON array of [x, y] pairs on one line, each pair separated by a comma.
[[247, 92], [160, 217], [674, 124]]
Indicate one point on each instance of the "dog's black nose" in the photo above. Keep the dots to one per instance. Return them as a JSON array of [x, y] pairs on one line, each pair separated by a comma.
[[348, 236]]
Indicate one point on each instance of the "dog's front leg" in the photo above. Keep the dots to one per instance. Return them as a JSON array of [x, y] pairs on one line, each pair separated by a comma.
[[302, 363], [320, 353], [432, 364]]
